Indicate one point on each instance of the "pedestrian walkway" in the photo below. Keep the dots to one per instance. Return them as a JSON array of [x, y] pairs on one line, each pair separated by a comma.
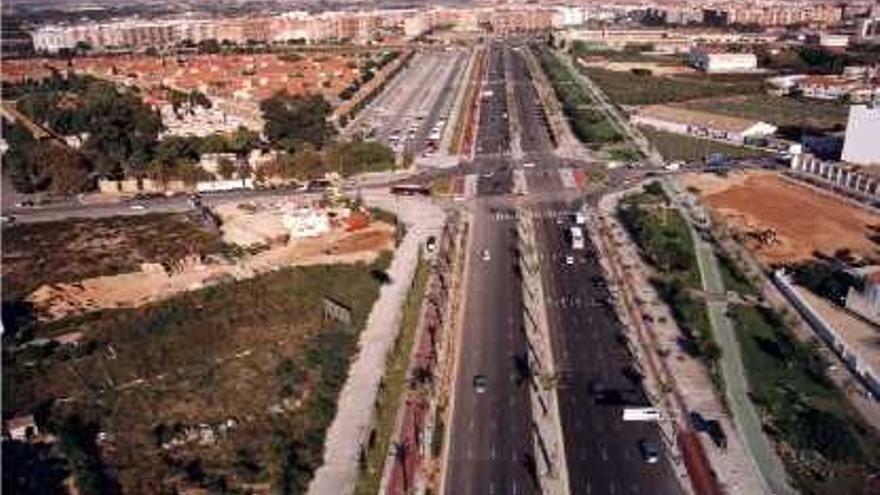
[[350, 429]]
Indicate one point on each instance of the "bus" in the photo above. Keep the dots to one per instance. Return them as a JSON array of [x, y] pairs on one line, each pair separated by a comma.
[[577, 238]]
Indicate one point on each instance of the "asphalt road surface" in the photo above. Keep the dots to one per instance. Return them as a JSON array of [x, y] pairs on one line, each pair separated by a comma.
[[491, 449], [598, 376]]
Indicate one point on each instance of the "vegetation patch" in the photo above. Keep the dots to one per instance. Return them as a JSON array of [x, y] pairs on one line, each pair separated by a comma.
[[628, 88], [588, 123], [788, 113], [75, 249], [665, 241], [225, 389], [826, 446], [690, 149]]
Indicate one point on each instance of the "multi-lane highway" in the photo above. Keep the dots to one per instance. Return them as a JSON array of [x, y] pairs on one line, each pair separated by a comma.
[[492, 449]]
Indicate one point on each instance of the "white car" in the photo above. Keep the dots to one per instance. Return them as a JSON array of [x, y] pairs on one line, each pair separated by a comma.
[[486, 256], [569, 259], [138, 207], [528, 165]]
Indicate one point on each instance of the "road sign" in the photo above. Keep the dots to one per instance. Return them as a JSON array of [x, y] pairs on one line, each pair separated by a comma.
[[335, 310]]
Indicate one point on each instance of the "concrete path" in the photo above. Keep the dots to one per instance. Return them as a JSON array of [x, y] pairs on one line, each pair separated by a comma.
[[350, 429]]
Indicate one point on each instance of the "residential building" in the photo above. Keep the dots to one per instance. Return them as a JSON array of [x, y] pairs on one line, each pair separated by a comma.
[[860, 146], [702, 124]]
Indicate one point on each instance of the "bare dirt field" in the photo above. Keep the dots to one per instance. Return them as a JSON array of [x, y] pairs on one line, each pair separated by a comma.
[[656, 68], [783, 222]]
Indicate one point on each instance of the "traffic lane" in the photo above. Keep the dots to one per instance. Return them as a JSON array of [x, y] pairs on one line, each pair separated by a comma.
[[602, 450], [491, 444], [533, 125]]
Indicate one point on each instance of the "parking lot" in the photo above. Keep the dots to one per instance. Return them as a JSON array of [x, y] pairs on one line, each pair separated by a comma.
[[412, 112]]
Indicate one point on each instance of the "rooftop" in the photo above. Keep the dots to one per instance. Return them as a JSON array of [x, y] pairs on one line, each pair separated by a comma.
[[697, 118]]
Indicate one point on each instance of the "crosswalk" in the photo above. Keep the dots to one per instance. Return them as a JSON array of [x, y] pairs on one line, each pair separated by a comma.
[[521, 182]]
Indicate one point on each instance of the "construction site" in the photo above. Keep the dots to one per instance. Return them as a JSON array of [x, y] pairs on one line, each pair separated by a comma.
[[783, 221]]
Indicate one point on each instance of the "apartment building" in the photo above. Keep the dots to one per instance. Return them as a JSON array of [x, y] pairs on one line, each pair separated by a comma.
[[775, 15]]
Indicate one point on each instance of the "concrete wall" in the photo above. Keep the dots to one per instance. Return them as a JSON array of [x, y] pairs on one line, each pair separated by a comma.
[[829, 334]]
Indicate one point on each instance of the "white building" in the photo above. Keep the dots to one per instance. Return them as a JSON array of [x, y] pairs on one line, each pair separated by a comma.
[[568, 16], [702, 124], [306, 222], [710, 60], [861, 145]]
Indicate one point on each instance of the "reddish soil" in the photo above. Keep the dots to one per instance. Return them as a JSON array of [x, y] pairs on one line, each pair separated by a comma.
[[801, 221]]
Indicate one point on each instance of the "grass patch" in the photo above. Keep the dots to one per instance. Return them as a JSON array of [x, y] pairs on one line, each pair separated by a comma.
[[257, 353], [393, 387], [52, 252], [588, 123], [627, 88], [780, 111], [687, 148], [828, 449]]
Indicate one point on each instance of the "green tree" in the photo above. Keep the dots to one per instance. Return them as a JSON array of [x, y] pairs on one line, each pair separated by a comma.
[[62, 171], [297, 118]]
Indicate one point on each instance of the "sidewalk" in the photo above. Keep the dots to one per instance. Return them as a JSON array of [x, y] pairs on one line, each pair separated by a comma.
[[350, 429]]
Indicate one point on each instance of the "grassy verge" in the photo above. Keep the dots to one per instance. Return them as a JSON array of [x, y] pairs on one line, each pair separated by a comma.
[[589, 124], [256, 354], [627, 88], [687, 148], [393, 386], [823, 442], [665, 241]]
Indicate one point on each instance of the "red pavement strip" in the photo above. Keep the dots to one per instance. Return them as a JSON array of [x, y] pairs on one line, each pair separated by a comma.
[[580, 178], [697, 464]]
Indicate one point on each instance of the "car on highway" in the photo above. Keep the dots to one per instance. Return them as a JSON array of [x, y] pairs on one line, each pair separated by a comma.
[[138, 207], [486, 255], [480, 384], [650, 451]]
